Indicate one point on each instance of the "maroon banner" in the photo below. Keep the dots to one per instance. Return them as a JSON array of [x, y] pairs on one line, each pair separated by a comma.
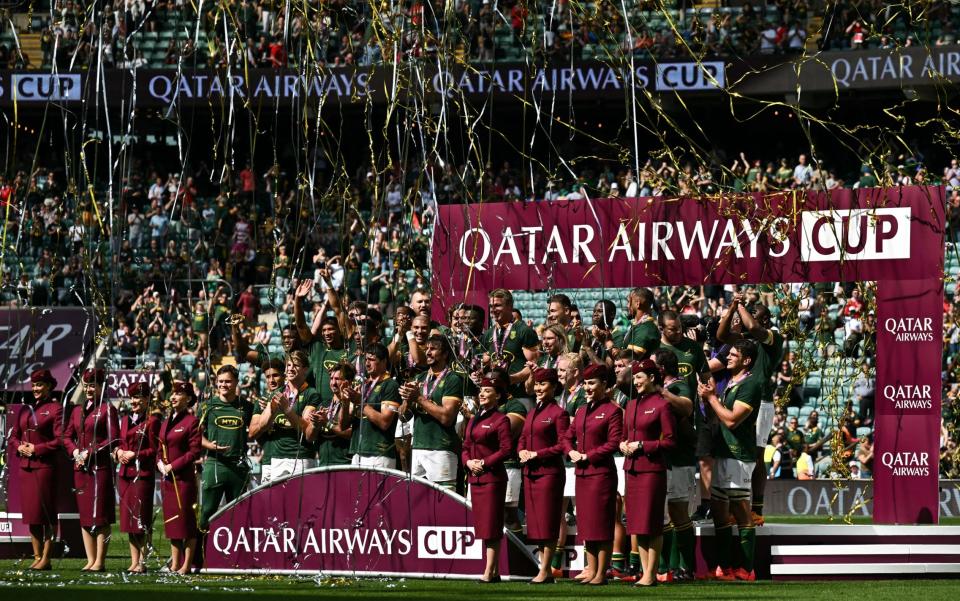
[[346, 520], [120, 380], [30, 339], [847, 235], [906, 455]]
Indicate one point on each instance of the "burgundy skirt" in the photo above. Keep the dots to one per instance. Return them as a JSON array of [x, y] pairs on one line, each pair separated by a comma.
[[96, 497], [179, 518], [646, 495], [136, 504], [543, 496], [38, 496], [596, 497], [488, 500]]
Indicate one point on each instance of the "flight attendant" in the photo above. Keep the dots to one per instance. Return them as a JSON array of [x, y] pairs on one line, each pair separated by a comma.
[[649, 427], [590, 443], [179, 449], [137, 455], [486, 445], [91, 436], [36, 436], [541, 455]]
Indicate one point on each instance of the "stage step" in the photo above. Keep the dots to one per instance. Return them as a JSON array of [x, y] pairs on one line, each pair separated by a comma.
[[894, 551], [892, 570], [841, 551]]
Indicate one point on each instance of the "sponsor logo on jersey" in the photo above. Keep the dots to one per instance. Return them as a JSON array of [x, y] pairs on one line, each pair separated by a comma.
[[229, 422]]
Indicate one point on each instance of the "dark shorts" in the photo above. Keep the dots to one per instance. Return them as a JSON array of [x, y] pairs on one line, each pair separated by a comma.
[[707, 433]]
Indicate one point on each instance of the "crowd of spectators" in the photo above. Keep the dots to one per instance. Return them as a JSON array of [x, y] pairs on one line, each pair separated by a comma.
[[276, 34], [739, 174]]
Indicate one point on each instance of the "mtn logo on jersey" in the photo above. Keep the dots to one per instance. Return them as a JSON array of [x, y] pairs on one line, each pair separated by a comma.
[[855, 234], [229, 422]]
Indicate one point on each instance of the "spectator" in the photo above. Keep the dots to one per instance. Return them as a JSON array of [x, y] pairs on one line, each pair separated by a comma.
[[802, 173]]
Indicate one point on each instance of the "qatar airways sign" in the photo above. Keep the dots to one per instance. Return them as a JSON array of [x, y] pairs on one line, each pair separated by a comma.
[[348, 520], [845, 236], [908, 401], [38, 338]]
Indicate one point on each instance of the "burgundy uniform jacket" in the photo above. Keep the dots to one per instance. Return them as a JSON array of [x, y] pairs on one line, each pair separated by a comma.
[[96, 430], [488, 438], [180, 444], [543, 432], [596, 431], [141, 438], [41, 426], [650, 421]]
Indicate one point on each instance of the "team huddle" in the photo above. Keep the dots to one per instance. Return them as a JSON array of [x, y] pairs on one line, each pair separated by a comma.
[[536, 426]]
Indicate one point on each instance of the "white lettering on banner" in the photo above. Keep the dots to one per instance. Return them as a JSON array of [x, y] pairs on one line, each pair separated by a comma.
[[817, 499], [581, 245], [792, 503], [707, 75], [894, 67], [26, 348], [592, 78], [621, 243], [331, 541], [532, 242], [448, 542], [482, 243], [910, 329], [508, 246], [17, 345], [197, 85], [906, 463], [777, 232], [571, 556], [949, 500], [909, 396], [42, 88], [119, 383], [856, 234], [871, 68]]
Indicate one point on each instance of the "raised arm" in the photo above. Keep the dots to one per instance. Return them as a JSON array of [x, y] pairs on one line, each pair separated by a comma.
[[723, 328], [304, 288]]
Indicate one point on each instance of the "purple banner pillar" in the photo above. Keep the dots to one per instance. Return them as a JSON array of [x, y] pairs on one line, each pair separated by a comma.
[[907, 426]]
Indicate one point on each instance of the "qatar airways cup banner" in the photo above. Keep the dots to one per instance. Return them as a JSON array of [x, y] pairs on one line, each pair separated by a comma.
[[894, 236], [354, 521], [906, 456], [55, 339], [847, 235]]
